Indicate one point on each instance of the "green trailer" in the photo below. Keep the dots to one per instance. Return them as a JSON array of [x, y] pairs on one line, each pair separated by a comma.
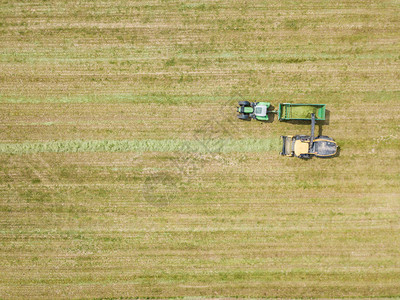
[[300, 111]]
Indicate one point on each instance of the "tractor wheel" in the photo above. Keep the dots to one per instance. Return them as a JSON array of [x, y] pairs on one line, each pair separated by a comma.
[[244, 103], [244, 117]]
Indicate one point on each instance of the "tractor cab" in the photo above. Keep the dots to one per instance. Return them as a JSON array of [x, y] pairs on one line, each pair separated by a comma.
[[260, 111]]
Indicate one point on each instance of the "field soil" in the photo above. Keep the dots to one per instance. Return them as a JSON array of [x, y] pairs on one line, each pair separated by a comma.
[[124, 171]]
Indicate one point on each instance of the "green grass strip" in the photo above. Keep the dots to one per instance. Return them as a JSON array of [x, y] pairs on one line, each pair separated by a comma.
[[203, 146]]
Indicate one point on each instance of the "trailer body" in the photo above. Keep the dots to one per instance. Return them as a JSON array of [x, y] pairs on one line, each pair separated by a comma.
[[300, 111]]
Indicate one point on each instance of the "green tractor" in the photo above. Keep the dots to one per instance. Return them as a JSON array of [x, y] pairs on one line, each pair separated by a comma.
[[253, 110], [306, 146]]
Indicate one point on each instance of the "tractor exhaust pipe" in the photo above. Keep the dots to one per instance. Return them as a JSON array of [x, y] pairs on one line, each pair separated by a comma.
[[312, 131]]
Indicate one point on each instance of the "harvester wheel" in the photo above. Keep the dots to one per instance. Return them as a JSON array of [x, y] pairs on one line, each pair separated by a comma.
[[244, 103]]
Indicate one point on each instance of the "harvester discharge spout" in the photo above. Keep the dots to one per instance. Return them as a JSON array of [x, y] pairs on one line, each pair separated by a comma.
[[312, 131]]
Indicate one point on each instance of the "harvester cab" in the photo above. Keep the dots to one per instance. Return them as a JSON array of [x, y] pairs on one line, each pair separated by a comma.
[[304, 146]]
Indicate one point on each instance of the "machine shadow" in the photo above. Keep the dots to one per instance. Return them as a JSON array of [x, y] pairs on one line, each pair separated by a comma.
[[320, 124], [307, 122], [271, 116], [337, 152]]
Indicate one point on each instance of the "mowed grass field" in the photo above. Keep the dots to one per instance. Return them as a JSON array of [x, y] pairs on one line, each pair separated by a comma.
[[125, 173]]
